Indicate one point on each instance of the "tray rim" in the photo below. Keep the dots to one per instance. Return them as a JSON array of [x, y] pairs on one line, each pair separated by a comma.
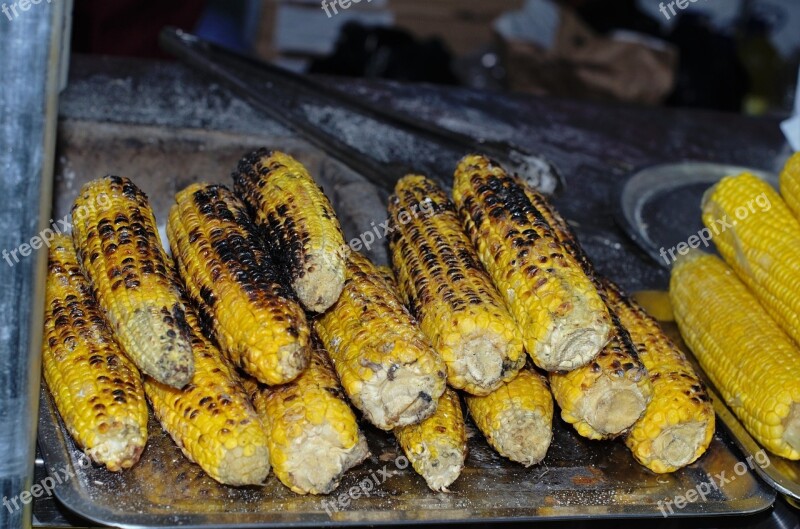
[[68, 494]]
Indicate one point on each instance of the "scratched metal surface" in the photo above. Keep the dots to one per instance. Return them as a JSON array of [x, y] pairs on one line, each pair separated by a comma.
[[578, 478]]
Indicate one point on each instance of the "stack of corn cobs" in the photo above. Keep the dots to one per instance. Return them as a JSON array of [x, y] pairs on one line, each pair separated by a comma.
[[742, 319], [253, 342]]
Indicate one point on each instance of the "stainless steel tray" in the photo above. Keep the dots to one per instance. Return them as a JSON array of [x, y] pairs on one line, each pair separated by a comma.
[[579, 478], [659, 207]]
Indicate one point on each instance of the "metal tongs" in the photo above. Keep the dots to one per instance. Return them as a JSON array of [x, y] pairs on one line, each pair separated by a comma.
[[285, 97]]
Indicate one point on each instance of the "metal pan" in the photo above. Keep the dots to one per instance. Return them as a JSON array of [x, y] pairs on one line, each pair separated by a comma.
[[578, 479], [660, 207]]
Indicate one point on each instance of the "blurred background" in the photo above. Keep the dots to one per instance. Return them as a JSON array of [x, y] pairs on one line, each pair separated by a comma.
[[731, 55]]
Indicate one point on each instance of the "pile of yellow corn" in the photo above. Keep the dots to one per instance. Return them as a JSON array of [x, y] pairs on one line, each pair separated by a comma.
[[244, 379], [742, 319]]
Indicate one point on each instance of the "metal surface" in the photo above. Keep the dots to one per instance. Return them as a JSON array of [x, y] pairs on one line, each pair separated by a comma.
[[30, 62], [579, 478], [660, 207], [258, 83]]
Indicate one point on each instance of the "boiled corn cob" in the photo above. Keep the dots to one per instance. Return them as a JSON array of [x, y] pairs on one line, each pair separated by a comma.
[[313, 434], [516, 418], [437, 446], [299, 221], [447, 289], [607, 396], [387, 366], [790, 184], [254, 317], [212, 420], [117, 241], [96, 388], [563, 320], [750, 361], [760, 239], [678, 425]]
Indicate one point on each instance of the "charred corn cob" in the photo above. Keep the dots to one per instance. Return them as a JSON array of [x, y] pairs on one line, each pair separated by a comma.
[[678, 425], [299, 221], [254, 317], [516, 418], [750, 361], [117, 241], [447, 289], [97, 390], [607, 396], [212, 420], [387, 366], [563, 320], [760, 239], [312, 432], [790, 184], [437, 446]]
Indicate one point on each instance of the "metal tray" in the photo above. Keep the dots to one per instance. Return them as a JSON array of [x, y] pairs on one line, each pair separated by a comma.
[[578, 479], [659, 207]]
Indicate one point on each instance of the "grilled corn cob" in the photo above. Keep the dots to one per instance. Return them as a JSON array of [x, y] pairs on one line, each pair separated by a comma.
[[750, 361], [607, 396], [97, 390], [442, 281], [761, 243], [299, 221], [516, 418], [117, 241], [312, 432], [437, 446], [387, 366], [255, 319], [678, 425], [790, 184], [212, 420], [563, 320]]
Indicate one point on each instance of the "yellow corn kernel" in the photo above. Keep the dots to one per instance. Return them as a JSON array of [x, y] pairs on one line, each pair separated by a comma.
[[447, 289], [256, 320], [96, 388], [563, 320], [312, 432], [437, 446], [299, 221], [760, 239], [387, 366], [752, 363], [119, 249], [516, 418]]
